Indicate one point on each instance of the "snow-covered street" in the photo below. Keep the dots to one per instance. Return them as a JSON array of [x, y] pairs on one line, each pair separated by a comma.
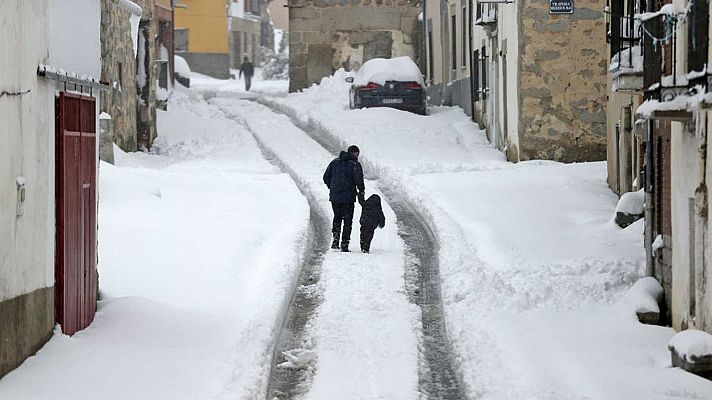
[[202, 241]]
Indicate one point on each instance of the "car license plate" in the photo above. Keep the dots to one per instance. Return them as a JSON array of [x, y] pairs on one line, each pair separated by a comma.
[[392, 101]]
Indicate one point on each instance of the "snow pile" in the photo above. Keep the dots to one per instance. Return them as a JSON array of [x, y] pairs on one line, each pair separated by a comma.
[[628, 60], [632, 203], [381, 70], [643, 297], [691, 344], [181, 65]]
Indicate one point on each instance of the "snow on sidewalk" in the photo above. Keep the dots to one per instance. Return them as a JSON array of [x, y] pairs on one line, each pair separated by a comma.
[[365, 334], [198, 251], [533, 272]]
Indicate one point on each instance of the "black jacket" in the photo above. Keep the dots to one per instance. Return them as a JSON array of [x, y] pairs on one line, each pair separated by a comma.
[[343, 176], [371, 212], [247, 68]]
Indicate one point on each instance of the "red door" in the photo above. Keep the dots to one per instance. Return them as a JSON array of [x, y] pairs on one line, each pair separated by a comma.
[[75, 269]]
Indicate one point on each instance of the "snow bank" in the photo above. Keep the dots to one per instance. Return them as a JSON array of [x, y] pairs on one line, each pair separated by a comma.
[[381, 70], [181, 65], [691, 344], [643, 297], [632, 203]]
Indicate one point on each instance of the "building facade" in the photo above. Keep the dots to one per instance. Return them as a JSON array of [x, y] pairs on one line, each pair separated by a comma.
[[245, 31], [201, 36], [48, 184], [660, 84], [327, 35], [119, 46], [539, 82], [448, 52]]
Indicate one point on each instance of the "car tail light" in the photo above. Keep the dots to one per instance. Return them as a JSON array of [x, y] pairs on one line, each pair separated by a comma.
[[413, 85], [370, 86]]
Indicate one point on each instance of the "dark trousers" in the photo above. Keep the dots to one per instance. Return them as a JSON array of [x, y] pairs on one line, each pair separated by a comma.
[[342, 212], [248, 82], [366, 237]]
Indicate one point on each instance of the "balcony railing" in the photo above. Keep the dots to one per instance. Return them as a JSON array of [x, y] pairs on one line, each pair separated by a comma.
[[486, 15], [624, 36]]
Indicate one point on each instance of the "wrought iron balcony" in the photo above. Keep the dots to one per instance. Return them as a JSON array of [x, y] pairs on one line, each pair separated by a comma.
[[486, 15], [624, 37], [670, 91]]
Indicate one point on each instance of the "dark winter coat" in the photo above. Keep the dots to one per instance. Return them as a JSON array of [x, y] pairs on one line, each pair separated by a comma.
[[343, 176], [371, 212], [247, 68]]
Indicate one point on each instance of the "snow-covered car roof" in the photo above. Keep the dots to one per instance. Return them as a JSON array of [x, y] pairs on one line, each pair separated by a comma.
[[380, 70]]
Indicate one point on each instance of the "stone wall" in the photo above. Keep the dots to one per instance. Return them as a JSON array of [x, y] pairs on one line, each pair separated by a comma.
[[325, 35], [562, 82], [147, 75], [118, 67]]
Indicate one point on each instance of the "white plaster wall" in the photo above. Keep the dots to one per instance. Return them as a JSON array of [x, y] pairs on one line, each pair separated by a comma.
[[684, 181], [26, 149], [75, 39], [432, 12]]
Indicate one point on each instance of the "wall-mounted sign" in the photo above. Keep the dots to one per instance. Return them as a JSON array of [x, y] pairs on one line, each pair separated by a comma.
[[561, 6]]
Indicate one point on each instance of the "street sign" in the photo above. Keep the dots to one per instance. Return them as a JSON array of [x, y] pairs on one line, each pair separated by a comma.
[[561, 6]]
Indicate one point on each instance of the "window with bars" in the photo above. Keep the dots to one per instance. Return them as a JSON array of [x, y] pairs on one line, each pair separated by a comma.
[[697, 31]]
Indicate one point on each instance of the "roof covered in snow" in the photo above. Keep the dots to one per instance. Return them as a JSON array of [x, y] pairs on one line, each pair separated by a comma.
[[380, 70]]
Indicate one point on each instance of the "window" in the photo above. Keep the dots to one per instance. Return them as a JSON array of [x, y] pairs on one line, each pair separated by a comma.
[[483, 60], [453, 39], [464, 36], [180, 39], [431, 67], [476, 76], [120, 73]]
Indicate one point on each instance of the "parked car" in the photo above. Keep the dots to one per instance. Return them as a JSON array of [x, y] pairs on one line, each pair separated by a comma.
[[396, 83]]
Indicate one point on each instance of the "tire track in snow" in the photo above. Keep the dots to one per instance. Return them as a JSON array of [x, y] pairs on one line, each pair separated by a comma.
[[290, 381], [439, 377]]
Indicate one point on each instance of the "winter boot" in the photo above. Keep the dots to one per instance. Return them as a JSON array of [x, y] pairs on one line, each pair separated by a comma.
[[344, 247], [335, 242]]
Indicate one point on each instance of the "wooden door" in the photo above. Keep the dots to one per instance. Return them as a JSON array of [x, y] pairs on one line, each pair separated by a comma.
[[75, 268]]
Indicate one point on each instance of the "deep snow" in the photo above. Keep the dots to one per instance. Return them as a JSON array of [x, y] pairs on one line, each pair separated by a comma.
[[534, 273], [363, 340], [198, 247]]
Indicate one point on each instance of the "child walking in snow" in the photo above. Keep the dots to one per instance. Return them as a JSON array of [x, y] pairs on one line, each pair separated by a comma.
[[371, 217]]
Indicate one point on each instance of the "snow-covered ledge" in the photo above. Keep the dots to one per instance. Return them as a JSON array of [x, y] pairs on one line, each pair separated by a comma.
[[691, 350], [129, 6]]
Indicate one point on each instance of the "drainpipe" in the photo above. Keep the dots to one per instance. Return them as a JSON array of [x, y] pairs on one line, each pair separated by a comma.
[[649, 266], [424, 43], [129, 6]]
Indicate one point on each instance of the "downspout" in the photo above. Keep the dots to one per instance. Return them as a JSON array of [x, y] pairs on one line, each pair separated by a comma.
[[470, 9], [649, 266], [424, 43], [702, 218]]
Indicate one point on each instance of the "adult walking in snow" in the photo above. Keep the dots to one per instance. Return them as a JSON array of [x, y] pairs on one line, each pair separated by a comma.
[[344, 178], [249, 70]]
